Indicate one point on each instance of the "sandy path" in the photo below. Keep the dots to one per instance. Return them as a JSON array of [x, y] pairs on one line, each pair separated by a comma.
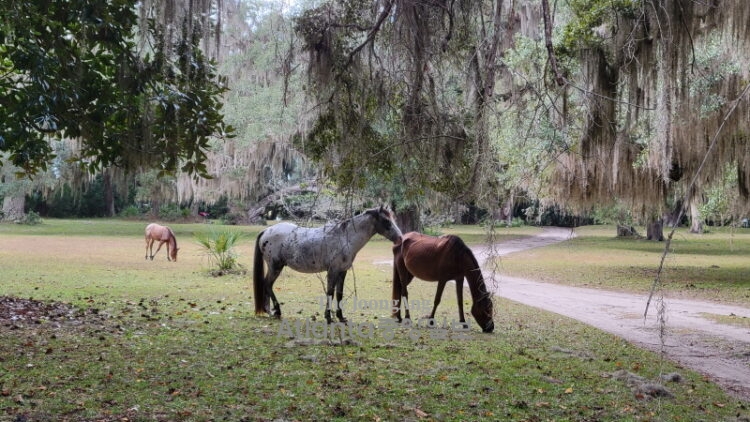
[[721, 352]]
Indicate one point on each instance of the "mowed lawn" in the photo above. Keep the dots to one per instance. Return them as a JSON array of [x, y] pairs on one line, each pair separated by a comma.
[[155, 340], [710, 266]]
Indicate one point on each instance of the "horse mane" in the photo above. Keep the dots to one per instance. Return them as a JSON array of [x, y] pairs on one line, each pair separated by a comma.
[[455, 243], [172, 237]]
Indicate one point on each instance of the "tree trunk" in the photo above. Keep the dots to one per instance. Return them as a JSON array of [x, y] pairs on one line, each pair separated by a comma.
[[696, 222], [507, 210], [655, 230], [671, 219], [408, 219], [13, 207], [109, 194]]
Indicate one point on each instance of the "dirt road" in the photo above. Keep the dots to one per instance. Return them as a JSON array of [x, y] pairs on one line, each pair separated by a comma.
[[721, 352]]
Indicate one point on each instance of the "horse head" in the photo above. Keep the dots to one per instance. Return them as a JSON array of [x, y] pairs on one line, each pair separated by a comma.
[[481, 310], [384, 223], [173, 252]]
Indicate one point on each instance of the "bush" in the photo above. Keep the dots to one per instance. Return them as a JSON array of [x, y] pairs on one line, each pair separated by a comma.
[[219, 248], [31, 219], [231, 219], [170, 212], [131, 211]]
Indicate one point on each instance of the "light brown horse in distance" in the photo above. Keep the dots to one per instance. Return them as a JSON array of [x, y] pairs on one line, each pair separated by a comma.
[[440, 259], [162, 234]]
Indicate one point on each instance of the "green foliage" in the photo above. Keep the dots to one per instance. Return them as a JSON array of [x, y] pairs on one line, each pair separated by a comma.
[[721, 199], [612, 214], [347, 162], [131, 211], [219, 247], [589, 14], [72, 70], [324, 134], [391, 117], [171, 212], [530, 133], [31, 218], [712, 69]]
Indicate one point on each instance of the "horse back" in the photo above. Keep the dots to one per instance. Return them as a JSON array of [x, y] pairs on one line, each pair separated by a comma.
[[159, 232], [431, 258]]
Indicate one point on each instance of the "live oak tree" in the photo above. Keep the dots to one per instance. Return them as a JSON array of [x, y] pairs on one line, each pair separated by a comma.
[[404, 94], [667, 107], [636, 93], [76, 70]]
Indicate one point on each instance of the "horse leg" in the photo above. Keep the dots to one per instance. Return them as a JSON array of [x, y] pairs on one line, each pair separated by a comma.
[[396, 295], [168, 255], [161, 242], [153, 254], [401, 278], [460, 296], [438, 296], [333, 278], [273, 274], [148, 241], [340, 296], [405, 280]]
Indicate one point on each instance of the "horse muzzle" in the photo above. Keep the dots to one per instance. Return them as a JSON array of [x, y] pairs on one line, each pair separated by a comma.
[[490, 327]]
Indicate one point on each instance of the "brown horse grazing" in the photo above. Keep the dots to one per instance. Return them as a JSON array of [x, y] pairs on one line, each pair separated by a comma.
[[162, 234], [440, 259]]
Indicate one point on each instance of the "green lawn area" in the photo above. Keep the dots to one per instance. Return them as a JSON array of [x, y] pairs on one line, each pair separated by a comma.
[[710, 266], [163, 341]]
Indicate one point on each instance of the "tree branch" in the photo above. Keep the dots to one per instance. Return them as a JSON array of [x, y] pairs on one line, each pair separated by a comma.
[[373, 32], [559, 79]]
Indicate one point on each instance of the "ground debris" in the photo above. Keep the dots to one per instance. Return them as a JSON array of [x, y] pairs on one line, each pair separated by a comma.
[[17, 311], [641, 386]]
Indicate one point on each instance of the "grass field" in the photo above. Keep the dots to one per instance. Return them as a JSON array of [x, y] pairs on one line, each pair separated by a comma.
[[710, 266], [155, 340]]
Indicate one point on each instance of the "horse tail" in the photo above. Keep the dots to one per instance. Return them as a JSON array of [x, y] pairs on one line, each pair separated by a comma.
[[401, 278], [259, 287], [396, 292]]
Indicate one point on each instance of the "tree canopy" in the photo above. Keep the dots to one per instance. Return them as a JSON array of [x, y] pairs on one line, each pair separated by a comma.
[[665, 93], [624, 105], [403, 92], [74, 70]]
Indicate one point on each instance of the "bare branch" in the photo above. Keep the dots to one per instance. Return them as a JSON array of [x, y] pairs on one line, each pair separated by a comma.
[[373, 32], [559, 79]]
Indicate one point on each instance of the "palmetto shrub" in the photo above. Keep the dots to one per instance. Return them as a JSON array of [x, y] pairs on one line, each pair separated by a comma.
[[219, 248]]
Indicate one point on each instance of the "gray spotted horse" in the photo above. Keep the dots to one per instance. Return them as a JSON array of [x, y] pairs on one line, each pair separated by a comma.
[[330, 248]]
